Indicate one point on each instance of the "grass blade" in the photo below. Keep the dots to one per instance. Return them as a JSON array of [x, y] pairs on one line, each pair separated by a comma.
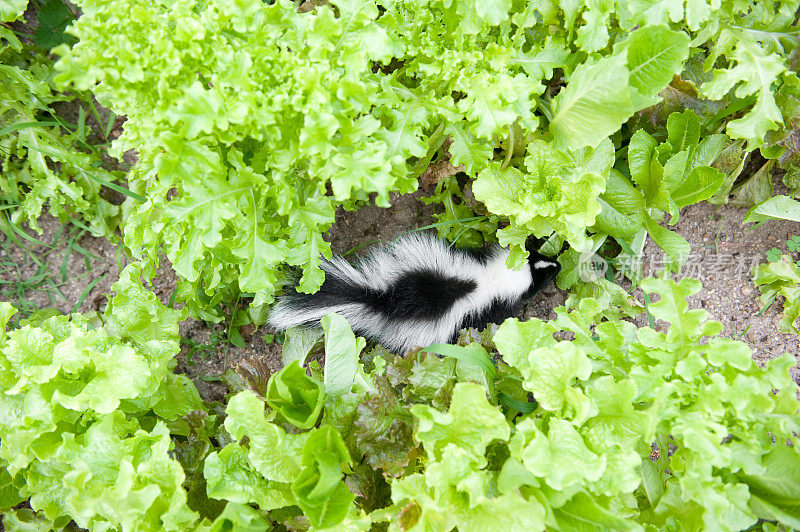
[[23, 125], [22, 233], [81, 123], [96, 114], [64, 262], [111, 119], [85, 252], [516, 404], [85, 293], [114, 186], [80, 224]]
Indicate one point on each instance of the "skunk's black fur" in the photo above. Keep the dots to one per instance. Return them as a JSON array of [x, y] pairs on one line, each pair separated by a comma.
[[417, 291]]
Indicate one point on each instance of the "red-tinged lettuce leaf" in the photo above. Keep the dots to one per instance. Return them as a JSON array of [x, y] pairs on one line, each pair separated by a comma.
[[385, 431], [731, 162], [756, 191], [370, 487], [340, 414], [399, 368], [254, 374], [431, 380], [191, 452]]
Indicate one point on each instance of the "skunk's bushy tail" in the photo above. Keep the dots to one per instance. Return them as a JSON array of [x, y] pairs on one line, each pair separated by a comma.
[[415, 291]]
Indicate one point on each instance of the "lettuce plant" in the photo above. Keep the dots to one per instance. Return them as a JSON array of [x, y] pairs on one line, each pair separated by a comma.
[[781, 278], [254, 122], [620, 428], [83, 433], [623, 428], [44, 163]]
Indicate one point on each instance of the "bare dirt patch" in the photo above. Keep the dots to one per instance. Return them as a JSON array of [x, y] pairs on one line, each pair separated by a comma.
[[724, 250]]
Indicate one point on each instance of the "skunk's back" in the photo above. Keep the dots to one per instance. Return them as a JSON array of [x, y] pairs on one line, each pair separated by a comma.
[[412, 292]]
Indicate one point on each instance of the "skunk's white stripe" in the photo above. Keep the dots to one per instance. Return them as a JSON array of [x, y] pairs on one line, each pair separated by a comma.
[[381, 268]]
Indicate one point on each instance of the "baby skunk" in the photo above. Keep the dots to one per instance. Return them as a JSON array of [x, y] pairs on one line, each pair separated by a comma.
[[417, 291]]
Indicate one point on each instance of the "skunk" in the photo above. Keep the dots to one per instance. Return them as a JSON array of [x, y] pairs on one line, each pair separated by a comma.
[[417, 291]]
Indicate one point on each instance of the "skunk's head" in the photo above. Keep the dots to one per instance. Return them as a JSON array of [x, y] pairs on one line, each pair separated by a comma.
[[543, 269]]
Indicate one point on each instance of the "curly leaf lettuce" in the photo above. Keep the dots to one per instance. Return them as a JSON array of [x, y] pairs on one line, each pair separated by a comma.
[[83, 429], [675, 431], [45, 165], [557, 192], [234, 168]]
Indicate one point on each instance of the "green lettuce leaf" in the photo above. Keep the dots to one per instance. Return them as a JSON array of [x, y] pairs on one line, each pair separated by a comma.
[[296, 396], [559, 456], [781, 278], [471, 423], [230, 477], [320, 491], [245, 418], [341, 354], [557, 193]]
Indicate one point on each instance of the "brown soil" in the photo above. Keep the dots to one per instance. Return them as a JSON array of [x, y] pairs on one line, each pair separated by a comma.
[[724, 251]]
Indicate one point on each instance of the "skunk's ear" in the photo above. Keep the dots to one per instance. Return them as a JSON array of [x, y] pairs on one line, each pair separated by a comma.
[[532, 244]]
